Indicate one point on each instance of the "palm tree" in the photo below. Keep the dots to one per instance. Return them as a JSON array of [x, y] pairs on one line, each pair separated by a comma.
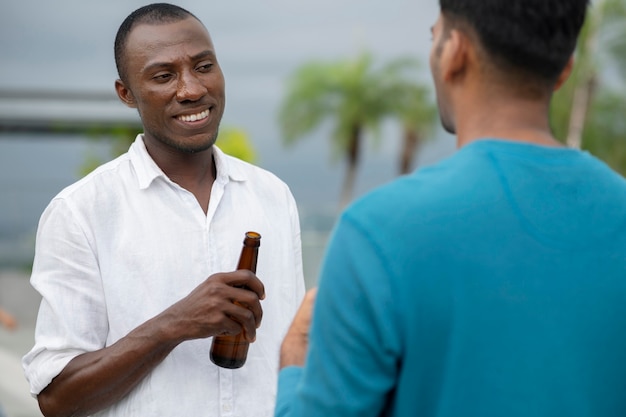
[[353, 94], [417, 113], [602, 42]]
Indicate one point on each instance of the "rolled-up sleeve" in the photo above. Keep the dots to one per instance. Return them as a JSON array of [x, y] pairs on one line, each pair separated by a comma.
[[72, 317]]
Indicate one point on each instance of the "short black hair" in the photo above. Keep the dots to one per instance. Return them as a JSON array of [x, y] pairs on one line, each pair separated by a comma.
[[156, 13], [532, 37]]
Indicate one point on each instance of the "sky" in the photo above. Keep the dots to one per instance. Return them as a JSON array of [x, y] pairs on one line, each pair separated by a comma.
[[67, 45]]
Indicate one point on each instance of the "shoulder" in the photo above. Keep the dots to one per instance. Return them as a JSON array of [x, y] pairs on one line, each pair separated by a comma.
[[112, 171], [96, 190], [426, 190], [426, 205]]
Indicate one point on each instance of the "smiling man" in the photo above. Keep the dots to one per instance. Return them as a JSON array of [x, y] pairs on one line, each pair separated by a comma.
[[130, 260]]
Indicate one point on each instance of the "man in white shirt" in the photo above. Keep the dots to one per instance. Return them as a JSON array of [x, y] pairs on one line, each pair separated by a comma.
[[129, 260]]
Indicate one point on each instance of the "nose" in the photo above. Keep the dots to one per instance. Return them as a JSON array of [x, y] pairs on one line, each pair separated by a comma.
[[189, 87]]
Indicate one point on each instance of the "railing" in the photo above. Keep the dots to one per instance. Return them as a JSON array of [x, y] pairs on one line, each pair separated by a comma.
[[62, 110]]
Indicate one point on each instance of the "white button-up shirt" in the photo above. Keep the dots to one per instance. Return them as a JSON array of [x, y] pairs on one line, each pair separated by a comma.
[[124, 243]]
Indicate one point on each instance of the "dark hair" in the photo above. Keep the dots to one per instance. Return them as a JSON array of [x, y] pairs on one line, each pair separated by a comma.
[[154, 14], [531, 37]]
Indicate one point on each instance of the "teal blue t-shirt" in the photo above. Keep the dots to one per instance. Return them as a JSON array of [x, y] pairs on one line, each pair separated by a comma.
[[490, 284]]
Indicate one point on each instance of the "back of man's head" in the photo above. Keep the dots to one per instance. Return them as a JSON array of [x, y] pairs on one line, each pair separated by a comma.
[[532, 38]]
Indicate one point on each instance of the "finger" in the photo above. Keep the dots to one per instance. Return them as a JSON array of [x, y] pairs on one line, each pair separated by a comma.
[[250, 301], [229, 326], [243, 278], [249, 333], [245, 320]]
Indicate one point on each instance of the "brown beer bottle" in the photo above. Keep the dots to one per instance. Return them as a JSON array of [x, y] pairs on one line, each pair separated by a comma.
[[231, 351]]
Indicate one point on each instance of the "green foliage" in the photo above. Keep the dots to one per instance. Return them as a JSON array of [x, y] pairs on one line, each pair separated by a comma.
[[120, 137], [416, 110], [600, 65], [348, 93], [236, 142], [355, 96], [561, 105], [605, 131]]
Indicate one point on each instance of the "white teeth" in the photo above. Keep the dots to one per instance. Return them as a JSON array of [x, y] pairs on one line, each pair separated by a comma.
[[194, 117]]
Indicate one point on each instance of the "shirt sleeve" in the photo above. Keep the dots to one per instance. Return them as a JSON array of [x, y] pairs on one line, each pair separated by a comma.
[[355, 342], [288, 379], [72, 314], [297, 250]]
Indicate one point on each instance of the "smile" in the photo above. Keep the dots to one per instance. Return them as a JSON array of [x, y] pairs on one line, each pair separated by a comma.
[[194, 117]]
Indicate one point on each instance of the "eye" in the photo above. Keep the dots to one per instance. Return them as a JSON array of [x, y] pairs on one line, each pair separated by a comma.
[[204, 67], [162, 77]]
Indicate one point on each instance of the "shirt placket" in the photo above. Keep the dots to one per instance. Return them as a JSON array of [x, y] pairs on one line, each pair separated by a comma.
[[226, 392], [225, 376]]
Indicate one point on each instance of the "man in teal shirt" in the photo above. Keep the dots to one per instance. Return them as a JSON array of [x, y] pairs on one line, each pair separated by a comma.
[[492, 283]]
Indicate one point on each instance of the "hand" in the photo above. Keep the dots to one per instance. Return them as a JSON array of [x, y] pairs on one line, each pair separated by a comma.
[[296, 343], [208, 310], [225, 303]]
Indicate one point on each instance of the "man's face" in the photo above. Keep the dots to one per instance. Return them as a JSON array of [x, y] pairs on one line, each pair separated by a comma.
[[176, 84], [436, 52]]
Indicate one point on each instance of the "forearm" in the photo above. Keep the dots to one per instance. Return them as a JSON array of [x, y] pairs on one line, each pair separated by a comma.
[[293, 351], [294, 347], [93, 381], [96, 380]]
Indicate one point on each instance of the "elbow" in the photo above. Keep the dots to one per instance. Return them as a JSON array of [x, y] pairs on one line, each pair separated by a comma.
[[50, 406], [46, 405]]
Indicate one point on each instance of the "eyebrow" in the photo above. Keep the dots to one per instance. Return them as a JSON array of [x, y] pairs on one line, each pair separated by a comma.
[[201, 55]]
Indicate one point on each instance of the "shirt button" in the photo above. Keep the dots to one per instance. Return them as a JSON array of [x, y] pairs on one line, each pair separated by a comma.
[[226, 407]]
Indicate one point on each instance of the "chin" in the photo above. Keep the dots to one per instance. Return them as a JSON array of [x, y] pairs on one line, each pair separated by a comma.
[[194, 150], [186, 144], [195, 147], [194, 144], [448, 127]]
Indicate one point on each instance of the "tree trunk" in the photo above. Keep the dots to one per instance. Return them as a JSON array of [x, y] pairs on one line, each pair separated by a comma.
[[583, 93], [580, 106], [409, 150], [352, 159]]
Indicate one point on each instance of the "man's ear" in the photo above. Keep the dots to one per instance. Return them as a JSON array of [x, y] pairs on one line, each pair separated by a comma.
[[567, 71], [455, 55], [124, 93]]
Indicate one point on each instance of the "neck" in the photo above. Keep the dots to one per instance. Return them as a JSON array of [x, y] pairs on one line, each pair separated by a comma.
[[506, 118], [186, 168], [191, 171], [194, 172]]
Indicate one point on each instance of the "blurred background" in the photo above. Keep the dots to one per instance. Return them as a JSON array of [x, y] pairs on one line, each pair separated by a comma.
[[332, 96]]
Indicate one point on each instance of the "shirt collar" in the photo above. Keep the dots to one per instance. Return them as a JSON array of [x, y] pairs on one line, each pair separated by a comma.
[[147, 170], [226, 168]]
